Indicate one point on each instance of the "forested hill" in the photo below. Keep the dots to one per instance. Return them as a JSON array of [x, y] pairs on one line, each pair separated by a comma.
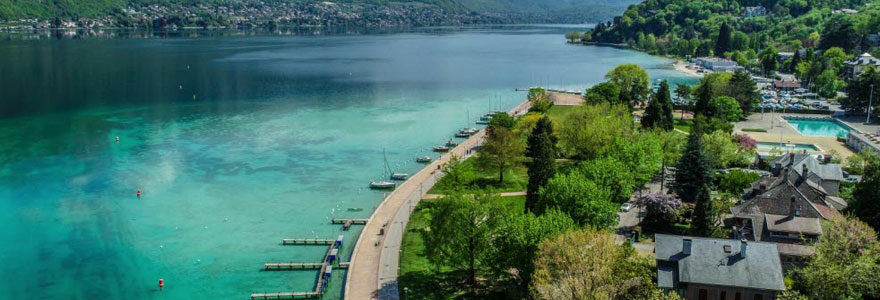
[[691, 27], [140, 13]]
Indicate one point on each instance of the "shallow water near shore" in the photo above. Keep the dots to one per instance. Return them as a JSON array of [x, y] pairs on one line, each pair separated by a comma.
[[235, 142]]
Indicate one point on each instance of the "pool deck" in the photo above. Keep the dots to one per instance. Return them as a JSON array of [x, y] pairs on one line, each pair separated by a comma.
[[778, 130]]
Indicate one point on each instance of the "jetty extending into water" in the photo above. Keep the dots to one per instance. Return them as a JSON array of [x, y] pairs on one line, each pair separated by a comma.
[[325, 268], [374, 262], [346, 223]]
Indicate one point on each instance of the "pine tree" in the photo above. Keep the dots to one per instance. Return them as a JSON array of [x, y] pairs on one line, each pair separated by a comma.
[[653, 113], [867, 201], [693, 169], [703, 222], [541, 149], [722, 44], [667, 121]]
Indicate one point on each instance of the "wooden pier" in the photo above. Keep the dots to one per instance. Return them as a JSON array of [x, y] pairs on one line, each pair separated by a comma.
[[307, 241], [346, 223], [292, 266], [305, 295]]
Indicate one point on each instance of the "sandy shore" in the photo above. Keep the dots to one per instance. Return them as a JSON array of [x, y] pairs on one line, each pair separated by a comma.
[[682, 67]]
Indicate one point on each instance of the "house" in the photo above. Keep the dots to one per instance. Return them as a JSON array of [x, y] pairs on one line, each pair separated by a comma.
[[844, 11], [787, 207], [786, 85], [755, 11], [707, 268], [717, 64], [856, 66]]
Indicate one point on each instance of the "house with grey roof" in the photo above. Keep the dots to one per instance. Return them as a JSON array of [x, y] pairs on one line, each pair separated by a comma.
[[708, 268], [754, 11], [787, 207], [858, 65]]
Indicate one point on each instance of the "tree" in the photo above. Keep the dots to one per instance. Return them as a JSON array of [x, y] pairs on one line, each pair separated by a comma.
[[839, 32], [541, 149], [641, 154], [769, 60], [612, 174], [589, 264], [517, 247], [720, 150], [694, 168], [633, 81], [711, 86], [722, 44], [866, 194], [857, 164], [683, 92], [859, 90], [739, 41], [501, 120], [662, 113], [461, 231], [742, 88], [653, 115], [662, 210], [502, 150], [845, 263], [828, 83], [587, 203], [703, 222], [573, 36], [727, 109], [590, 128], [736, 181], [603, 92], [457, 175]]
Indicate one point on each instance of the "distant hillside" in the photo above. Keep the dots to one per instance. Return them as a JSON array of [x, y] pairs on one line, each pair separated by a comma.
[[314, 12]]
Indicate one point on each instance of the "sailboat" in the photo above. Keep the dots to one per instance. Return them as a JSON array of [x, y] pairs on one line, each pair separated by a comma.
[[423, 159], [382, 184], [394, 176]]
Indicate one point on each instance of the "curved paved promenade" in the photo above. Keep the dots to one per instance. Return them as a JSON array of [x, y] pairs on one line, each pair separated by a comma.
[[372, 273]]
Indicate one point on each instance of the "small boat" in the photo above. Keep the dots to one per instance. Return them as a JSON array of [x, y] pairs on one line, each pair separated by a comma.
[[441, 149], [451, 143], [486, 117], [399, 176], [355, 209], [462, 135], [423, 159], [471, 130], [382, 185], [481, 122]]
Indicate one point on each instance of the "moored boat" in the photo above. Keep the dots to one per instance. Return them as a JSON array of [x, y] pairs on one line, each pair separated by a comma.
[[441, 149], [382, 185], [399, 176], [423, 159], [451, 143], [462, 134]]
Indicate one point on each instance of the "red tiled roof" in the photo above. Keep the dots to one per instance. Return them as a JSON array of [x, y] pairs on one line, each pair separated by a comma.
[[787, 84]]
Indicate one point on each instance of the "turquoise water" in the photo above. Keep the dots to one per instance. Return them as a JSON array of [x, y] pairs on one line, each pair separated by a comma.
[[284, 133], [819, 127], [787, 147]]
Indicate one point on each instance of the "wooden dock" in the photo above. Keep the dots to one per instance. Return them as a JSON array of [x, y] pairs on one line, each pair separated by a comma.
[[293, 295], [346, 223], [343, 265], [292, 266], [307, 241]]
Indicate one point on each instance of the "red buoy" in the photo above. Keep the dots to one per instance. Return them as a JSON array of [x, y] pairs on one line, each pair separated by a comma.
[[161, 283], [139, 193]]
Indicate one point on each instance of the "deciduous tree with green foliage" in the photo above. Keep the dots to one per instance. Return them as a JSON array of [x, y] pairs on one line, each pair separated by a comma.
[[590, 128], [845, 265], [522, 233], [721, 150], [461, 231], [541, 149], [587, 203], [769, 60], [501, 120], [742, 88], [502, 151], [633, 81], [457, 175], [727, 109], [683, 92], [866, 195], [603, 92], [589, 264], [856, 164], [612, 174]]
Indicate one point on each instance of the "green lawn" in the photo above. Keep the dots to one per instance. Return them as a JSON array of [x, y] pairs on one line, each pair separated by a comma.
[[684, 125], [424, 280], [557, 113], [515, 180]]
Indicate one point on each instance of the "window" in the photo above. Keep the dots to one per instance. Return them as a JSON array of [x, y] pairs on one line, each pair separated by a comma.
[[723, 295], [703, 295]]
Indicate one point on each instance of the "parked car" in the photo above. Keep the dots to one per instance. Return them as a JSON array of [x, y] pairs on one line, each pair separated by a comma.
[[625, 207]]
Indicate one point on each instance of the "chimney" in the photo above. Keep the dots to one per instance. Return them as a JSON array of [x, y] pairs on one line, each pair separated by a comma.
[[792, 208], [828, 158], [804, 170], [791, 158], [777, 169], [742, 248], [686, 246]]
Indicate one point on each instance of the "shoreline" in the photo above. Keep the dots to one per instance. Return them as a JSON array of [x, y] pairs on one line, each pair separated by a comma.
[[682, 67], [376, 266], [679, 65]]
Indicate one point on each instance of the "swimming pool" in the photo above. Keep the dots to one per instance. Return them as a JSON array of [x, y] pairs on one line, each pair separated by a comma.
[[787, 147], [819, 127]]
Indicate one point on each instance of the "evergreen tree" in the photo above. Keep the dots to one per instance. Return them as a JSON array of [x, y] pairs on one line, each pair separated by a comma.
[[703, 222], [722, 44], [693, 169], [742, 88], [541, 148], [703, 95], [667, 122], [653, 113], [865, 194]]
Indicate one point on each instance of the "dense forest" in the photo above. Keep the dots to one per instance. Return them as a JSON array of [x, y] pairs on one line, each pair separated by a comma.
[[314, 12]]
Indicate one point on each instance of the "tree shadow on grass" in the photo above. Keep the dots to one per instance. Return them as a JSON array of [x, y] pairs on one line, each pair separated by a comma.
[[447, 285]]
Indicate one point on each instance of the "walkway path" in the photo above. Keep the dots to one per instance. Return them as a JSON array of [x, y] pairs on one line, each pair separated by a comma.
[[372, 273], [507, 194]]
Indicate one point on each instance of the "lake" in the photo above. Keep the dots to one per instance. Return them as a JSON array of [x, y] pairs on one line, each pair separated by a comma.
[[236, 141]]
